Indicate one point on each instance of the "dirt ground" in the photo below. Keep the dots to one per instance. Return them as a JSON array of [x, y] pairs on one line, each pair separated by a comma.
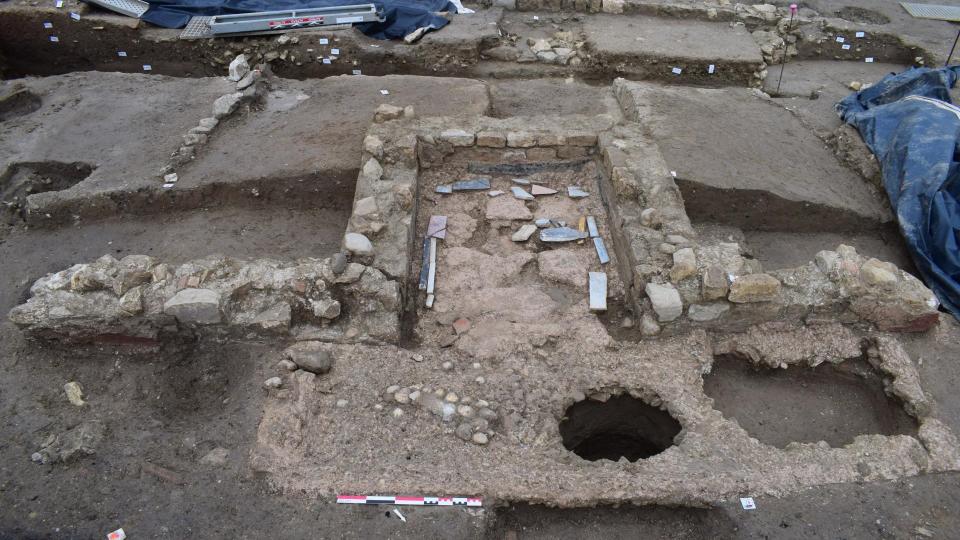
[[181, 423]]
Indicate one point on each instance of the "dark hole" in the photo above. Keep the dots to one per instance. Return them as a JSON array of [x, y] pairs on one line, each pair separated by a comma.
[[23, 179], [623, 426], [831, 402], [19, 102]]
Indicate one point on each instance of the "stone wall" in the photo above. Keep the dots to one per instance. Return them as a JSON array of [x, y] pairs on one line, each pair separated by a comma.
[[139, 300]]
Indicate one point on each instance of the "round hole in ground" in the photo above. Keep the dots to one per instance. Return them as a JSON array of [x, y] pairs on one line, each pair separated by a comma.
[[621, 427]]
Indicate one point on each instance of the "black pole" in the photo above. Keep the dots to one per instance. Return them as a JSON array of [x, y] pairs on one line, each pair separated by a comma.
[[783, 61], [949, 56]]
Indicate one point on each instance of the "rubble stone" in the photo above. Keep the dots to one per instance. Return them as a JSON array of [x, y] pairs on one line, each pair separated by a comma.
[[666, 301], [310, 356], [358, 244], [754, 288], [224, 105], [714, 283], [200, 306], [684, 265], [386, 112], [238, 68]]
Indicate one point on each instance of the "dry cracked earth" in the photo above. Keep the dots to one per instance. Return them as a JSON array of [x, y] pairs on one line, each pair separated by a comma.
[[268, 270]]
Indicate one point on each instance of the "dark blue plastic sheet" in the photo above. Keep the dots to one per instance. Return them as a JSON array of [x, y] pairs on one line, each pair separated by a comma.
[[913, 129], [402, 16]]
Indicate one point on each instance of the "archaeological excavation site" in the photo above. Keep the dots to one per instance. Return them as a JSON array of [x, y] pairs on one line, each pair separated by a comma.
[[522, 269]]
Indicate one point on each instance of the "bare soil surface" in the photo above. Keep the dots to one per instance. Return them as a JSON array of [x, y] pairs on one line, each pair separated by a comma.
[[165, 412]]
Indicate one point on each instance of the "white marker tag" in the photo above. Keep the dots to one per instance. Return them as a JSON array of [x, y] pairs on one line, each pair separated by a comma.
[[147, 67], [59, 4], [747, 503], [536, 18], [711, 68], [324, 41], [168, 186], [861, 34], [48, 25], [840, 39], [673, 174], [356, 72], [335, 52], [122, 54], [75, 16], [846, 46], [326, 61], [868, 60], [54, 39], [676, 71], [385, 92]]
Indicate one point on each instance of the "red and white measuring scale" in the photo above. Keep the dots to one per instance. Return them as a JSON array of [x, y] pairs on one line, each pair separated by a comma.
[[409, 501]]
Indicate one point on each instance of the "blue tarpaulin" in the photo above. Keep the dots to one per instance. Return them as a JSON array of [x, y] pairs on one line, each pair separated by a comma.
[[913, 129], [402, 16]]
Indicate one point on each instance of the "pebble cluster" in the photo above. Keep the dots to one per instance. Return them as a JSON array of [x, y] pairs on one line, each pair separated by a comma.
[[474, 418]]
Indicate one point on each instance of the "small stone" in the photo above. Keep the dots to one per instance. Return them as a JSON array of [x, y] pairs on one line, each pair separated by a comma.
[[486, 413], [402, 396], [446, 366], [521, 139], [707, 312], [447, 340], [386, 112], [542, 223], [341, 403], [338, 263], [575, 192], [310, 356], [879, 273], [537, 189], [415, 395], [491, 139], [754, 288], [461, 326], [287, 365], [465, 411], [397, 413], [208, 123], [171, 178], [392, 389], [226, 104], [357, 244], [480, 438], [540, 45], [273, 382], [855, 85], [548, 57], [684, 265], [668, 249], [451, 397], [373, 145], [714, 284], [480, 380], [36, 457], [650, 217], [372, 169], [627, 322], [325, 308], [74, 393], [238, 68], [464, 431], [201, 306], [457, 137], [648, 325], [666, 301], [216, 457], [247, 80], [524, 233]]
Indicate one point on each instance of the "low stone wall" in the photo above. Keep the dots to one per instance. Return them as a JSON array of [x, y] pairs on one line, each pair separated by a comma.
[[139, 300]]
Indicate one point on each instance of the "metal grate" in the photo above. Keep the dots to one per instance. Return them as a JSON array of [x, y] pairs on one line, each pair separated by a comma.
[[932, 11], [130, 8], [197, 28]]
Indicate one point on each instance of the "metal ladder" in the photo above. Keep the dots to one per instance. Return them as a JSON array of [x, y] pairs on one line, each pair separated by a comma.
[[266, 22]]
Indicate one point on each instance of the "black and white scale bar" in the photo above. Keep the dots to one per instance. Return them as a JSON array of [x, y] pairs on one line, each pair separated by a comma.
[[409, 501]]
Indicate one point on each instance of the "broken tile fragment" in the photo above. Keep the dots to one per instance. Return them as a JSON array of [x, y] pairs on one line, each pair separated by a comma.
[[437, 228], [461, 326], [561, 234], [521, 194], [541, 190], [476, 184], [495, 193], [592, 227], [575, 192], [444, 189], [521, 181], [524, 233], [598, 291], [542, 222], [601, 250]]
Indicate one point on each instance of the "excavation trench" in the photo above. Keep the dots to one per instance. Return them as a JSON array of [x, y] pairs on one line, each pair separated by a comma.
[[831, 402]]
